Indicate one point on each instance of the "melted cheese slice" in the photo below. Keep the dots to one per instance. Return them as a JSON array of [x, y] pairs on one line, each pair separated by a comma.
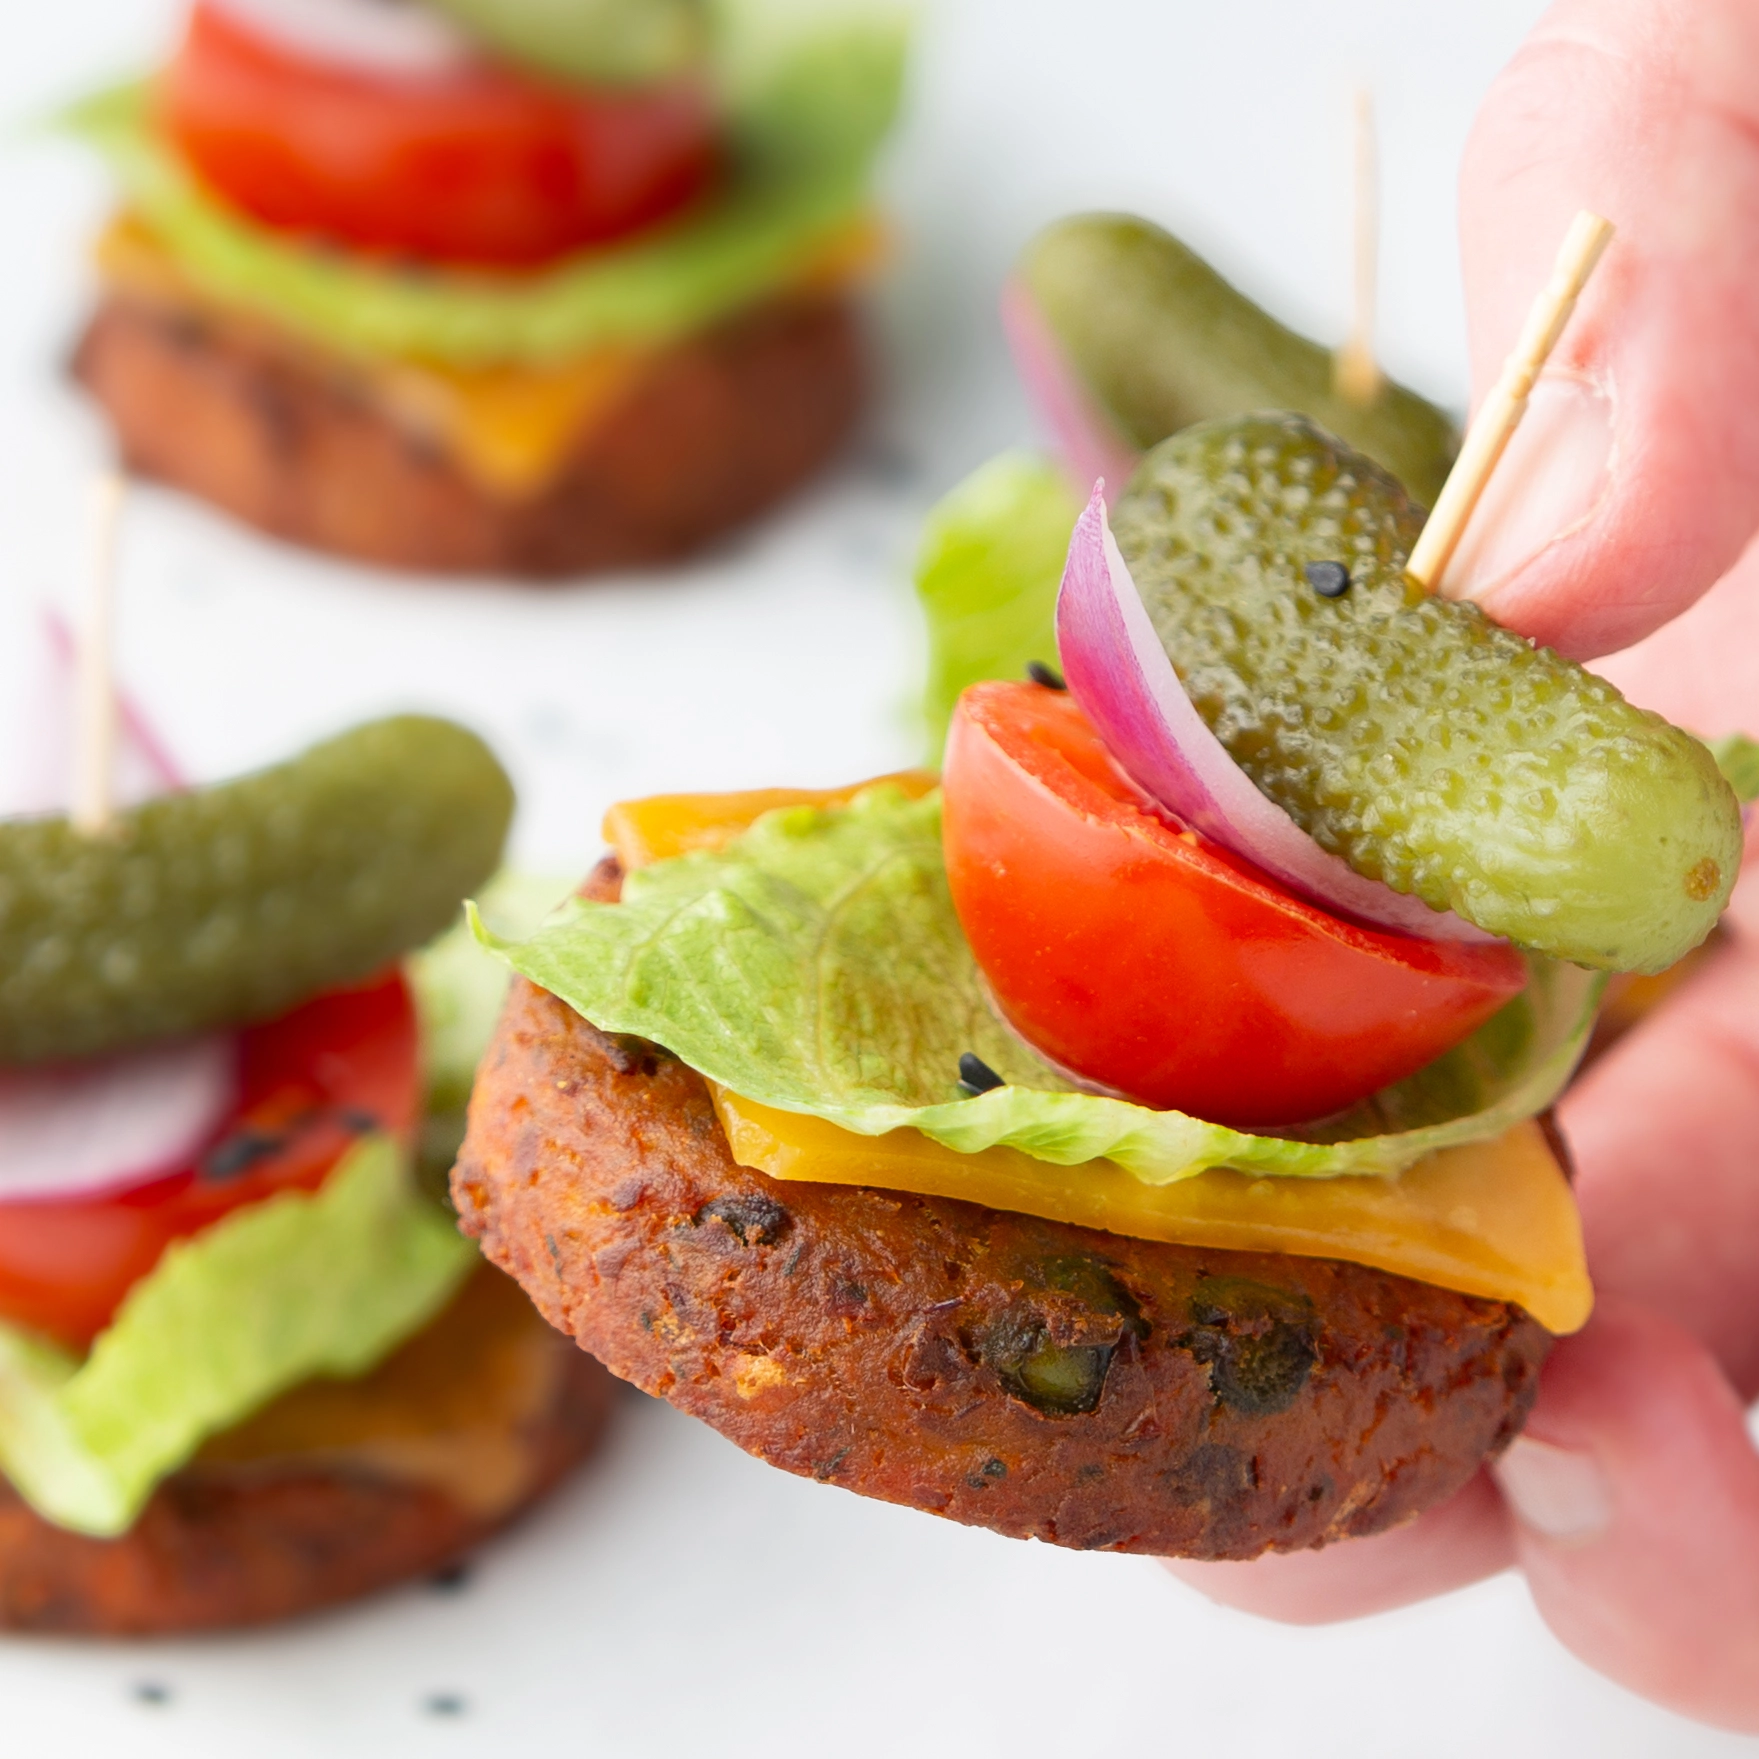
[[1494, 1218], [457, 1406], [511, 427], [665, 825]]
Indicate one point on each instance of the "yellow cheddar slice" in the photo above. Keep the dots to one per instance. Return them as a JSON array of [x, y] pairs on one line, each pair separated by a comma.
[[459, 1406], [511, 427], [1495, 1218], [664, 825]]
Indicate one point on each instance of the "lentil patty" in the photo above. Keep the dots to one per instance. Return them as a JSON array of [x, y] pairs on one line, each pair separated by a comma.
[[269, 1522], [1039, 1379], [713, 431]]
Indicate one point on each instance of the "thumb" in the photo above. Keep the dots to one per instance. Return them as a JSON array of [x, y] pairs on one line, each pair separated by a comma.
[[1633, 482], [1635, 1496]]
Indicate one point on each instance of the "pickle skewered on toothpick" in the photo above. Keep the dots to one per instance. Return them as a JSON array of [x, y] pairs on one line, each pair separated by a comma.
[[1432, 749], [232, 903], [1159, 340]]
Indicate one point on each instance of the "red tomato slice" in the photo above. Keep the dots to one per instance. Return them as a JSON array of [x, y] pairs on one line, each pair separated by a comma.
[[476, 164], [1144, 958], [310, 1084]]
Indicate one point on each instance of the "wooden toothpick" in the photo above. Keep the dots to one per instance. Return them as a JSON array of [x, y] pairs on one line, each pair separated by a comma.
[[94, 729], [1489, 433], [1355, 372]]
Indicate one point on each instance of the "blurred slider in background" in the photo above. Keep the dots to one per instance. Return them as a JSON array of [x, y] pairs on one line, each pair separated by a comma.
[[505, 287], [248, 1366]]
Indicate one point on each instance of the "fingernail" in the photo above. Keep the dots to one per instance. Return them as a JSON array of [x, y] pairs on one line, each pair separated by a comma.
[[1556, 471], [1556, 1491]]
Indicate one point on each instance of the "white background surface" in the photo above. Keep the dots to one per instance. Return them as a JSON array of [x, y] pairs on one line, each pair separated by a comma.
[[679, 1598]]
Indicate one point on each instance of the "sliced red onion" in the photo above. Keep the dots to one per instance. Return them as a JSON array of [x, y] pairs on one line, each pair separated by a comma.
[[79, 1129], [1126, 686], [399, 37], [1089, 440]]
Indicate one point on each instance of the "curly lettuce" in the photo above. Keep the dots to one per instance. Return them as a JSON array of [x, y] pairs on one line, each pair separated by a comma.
[[808, 93], [306, 1283], [816, 965]]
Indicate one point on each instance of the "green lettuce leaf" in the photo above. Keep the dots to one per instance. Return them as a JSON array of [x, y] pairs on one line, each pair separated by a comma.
[[459, 987], [325, 1282], [987, 576], [597, 42], [1737, 757], [809, 96], [458, 991], [817, 965], [810, 85]]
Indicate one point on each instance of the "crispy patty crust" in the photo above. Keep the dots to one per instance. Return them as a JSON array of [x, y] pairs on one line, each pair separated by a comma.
[[714, 430], [261, 1527], [1042, 1380]]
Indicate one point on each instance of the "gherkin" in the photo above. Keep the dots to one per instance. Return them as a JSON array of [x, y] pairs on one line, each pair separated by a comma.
[[231, 904], [1430, 748], [1163, 341]]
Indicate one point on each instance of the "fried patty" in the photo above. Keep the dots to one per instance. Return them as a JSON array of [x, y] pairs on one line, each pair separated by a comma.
[[713, 430], [1042, 1380], [335, 1491]]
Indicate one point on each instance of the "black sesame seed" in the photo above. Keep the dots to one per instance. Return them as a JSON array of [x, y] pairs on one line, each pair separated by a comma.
[[154, 1692], [976, 1076], [238, 1153], [1331, 580], [1048, 676], [444, 1704], [450, 1578], [358, 1123]]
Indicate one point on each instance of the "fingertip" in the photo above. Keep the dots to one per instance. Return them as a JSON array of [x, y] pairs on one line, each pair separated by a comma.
[[1451, 1546], [1662, 1129], [1665, 327], [1549, 486], [1702, 669], [1635, 1497]]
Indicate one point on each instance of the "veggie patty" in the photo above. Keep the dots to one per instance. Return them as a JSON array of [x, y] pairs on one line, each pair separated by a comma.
[[1035, 1378], [338, 1489], [710, 432]]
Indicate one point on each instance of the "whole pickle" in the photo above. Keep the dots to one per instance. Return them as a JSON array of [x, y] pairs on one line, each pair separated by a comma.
[[1163, 341], [1429, 747], [230, 904]]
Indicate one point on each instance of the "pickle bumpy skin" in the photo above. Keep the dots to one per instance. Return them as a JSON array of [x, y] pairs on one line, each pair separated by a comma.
[[231, 904], [1163, 341], [1430, 748]]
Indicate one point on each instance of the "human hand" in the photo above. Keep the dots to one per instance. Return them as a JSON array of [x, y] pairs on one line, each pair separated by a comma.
[[1631, 484], [1632, 1499]]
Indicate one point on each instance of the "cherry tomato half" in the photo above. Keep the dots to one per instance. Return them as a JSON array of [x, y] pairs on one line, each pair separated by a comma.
[[474, 164], [309, 1085], [1146, 959]]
